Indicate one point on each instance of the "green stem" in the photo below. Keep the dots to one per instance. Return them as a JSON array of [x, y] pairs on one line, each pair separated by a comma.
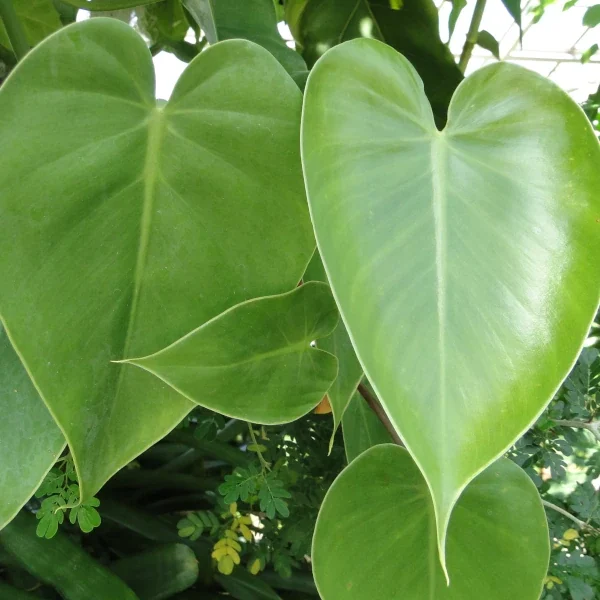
[[472, 35], [581, 524], [263, 463], [594, 426], [14, 29]]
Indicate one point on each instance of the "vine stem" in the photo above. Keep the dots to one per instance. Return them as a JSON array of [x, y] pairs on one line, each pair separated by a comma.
[[263, 463], [581, 524], [594, 426], [472, 35], [376, 407], [14, 29]]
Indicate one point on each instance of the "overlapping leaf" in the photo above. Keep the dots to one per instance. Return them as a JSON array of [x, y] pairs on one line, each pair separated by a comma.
[[412, 29], [127, 224], [255, 361], [338, 344], [362, 428], [463, 261], [30, 441], [379, 511], [38, 17], [253, 20]]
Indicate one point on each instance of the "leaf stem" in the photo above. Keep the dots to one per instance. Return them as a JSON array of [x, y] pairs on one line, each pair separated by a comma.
[[14, 29], [376, 407], [593, 426], [472, 35], [581, 524], [263, 463]]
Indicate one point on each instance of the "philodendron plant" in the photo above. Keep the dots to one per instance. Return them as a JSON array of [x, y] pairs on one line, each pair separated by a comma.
[[156, 256]]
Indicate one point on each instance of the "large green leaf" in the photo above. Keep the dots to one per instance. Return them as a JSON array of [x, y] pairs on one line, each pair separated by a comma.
[[38, 17], [339, 344], [255, 361], [253, 20], [379, 512], [126, 224], [318, 25], [463, 261], [362, 428], [30, 441]]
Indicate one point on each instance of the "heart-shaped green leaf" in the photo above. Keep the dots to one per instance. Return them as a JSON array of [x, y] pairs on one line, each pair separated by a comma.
[[255, 361], [463, 261], [26, 431], [379, 511], [126, 224], [339, 344]]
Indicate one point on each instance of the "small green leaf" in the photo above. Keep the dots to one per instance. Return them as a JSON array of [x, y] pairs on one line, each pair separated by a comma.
[[591, 51], [486, 40], [591, 18], [255, 361], [256, 448]]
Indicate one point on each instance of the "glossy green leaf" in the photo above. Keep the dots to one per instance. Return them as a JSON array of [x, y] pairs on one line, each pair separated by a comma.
[[412, 30], [126, 224], [38, 17], [338, 343], [253, 20], [26, 430], [379, 511], [362, 429], [463, 261], [255, 361]]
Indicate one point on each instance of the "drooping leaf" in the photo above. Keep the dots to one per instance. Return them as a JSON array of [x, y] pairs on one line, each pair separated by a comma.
[[462, 260], [38, 17], [255, 362], [591, 18], [126, 224], [339, 344], [412, 30], [362, 429], [379, 511], [30, 441], [487, 41], [514, 9], [253, 20]]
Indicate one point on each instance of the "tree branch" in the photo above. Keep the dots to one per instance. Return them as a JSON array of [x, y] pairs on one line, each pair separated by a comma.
[[376, 407], [472, 35], [14, 29], [581, 524], [593, 426]]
